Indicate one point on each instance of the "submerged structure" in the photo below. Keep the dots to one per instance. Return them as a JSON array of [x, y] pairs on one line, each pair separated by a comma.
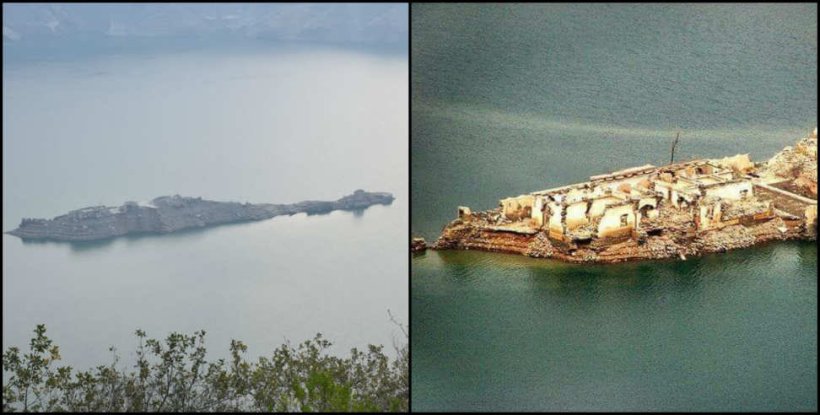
[[167, 214], [651, 212]]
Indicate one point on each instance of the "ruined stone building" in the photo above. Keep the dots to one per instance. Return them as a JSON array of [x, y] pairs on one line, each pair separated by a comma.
[[654, 211], [625, 202]]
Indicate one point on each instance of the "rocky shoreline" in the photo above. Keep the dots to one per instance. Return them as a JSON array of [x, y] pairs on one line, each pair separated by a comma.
[[680, 243], [168, 214], [713, 206]]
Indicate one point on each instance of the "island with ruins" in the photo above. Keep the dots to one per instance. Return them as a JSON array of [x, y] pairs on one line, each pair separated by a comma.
[[648, 212], [167, 214]]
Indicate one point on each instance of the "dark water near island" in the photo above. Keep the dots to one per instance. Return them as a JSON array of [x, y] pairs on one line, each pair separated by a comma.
[[514, 99], [260, 126]]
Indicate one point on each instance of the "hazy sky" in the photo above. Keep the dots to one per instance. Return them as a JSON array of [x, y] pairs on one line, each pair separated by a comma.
[[35, 30]]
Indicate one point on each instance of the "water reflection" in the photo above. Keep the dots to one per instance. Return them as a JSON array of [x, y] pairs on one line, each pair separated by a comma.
[[191, 234], [661, 328], [80, 247], [658, 280]]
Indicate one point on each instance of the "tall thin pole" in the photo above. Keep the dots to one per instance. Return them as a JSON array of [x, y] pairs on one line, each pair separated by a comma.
[[674, 144]]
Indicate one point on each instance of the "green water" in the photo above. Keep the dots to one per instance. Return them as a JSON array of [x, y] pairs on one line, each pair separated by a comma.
[[723, 333], [513, 99]]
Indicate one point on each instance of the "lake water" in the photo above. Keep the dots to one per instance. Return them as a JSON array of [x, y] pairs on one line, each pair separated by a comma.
[[276, 125], [510, 99]]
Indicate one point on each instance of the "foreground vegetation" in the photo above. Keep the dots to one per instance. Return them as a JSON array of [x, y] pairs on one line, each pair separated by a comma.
[[174, 376]]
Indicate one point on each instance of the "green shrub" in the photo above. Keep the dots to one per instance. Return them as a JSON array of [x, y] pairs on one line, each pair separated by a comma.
[[174, 376]]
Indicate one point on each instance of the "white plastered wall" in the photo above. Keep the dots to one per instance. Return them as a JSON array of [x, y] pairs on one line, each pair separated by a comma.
[[731, 191], [610, 224]]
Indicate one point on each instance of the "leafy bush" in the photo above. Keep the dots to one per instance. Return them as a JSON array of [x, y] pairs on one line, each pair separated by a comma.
[[174, 376]]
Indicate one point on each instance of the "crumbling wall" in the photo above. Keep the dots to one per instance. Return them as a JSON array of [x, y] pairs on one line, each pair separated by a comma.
[[611, 224], [647, 206], [615, 184], [648, 201], [556, 228], [740, 163], [577, 215], [731, 191], [464, 213], [709, 215], [664, 190], [574, 195], [599, 206], [681, 199], [516, 208], [537, 215]]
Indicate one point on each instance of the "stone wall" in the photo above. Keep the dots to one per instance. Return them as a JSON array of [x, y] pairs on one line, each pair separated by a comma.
[[731, 191], [611, 225]]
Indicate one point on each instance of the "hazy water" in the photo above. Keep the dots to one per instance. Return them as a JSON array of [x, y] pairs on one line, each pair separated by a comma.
[[274, 126], [512, 99]]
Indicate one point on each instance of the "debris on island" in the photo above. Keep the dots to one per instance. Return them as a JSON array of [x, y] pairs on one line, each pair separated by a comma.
[[678, 210], [418, 245]]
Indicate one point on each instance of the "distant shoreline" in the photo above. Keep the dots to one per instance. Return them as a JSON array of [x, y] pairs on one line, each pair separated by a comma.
[[68, 50]]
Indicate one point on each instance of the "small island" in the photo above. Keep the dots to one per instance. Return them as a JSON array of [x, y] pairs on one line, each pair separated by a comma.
[[648, 212], [168, 214]]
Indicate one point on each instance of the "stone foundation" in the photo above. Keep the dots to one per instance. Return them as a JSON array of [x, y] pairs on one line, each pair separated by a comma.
[[673, 243]]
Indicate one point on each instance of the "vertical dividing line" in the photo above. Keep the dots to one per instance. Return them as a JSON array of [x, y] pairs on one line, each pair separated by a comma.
[[409, 206]]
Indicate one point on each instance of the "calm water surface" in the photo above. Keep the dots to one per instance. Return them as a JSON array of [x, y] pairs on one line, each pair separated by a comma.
[[275, 126], [731, 332], [511, 99]]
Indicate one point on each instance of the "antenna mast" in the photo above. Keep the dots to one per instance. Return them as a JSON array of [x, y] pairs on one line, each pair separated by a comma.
[[674, 144]]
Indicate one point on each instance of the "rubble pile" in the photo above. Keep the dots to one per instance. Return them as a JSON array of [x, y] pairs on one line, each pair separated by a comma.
[[730, 237], [584, 231], [797, 162], [540, 247], [774, 229], [662, 247], [742, 208], [670, 218], [418, 245], [807, 183]]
